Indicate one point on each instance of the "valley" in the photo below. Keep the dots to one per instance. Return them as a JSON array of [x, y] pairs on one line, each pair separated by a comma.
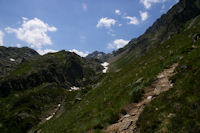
[[149, 85]]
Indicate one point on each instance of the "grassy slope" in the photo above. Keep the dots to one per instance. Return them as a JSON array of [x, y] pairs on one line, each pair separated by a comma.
[[36, 87], [23, 110], [177, 110], [102, 105]]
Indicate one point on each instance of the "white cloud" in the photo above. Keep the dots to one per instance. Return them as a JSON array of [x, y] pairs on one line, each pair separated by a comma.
[[162, 8], [144, 15], [84, 7], [82, 54], [118, 43], [45, 51], [106, 22], [33, 32], [18, 45], [120, 25], [1, 38], [118, 12], [148, 3], [24, 18], [133, 20]]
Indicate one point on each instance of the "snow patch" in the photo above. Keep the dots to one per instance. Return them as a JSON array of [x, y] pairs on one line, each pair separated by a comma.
[[48, 118], [51, 116], [74, 88], [11, 59], [99, 55], [105, 65]]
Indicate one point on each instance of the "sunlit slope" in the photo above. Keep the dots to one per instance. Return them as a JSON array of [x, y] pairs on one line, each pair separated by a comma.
[[103, 104]]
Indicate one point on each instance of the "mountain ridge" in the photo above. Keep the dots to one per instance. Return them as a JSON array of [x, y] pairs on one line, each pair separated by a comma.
[[12, 56], [32, 91], [161, 30]]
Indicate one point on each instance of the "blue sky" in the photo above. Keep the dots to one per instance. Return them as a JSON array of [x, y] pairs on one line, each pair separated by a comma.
[[82, 26]]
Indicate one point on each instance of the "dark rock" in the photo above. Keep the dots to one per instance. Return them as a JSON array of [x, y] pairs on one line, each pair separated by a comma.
[[196, 37], [183, 67]]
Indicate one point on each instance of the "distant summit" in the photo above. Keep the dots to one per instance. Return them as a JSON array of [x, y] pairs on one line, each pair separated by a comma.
[[101, 56], [96, 54]]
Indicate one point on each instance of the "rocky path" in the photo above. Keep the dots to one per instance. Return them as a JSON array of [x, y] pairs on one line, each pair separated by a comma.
[[127, 123]]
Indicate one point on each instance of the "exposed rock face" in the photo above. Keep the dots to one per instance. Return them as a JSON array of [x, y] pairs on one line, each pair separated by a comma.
[[101, 56], [96, 54]]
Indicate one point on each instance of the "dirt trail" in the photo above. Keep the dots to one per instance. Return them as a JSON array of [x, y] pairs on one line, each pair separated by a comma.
[[127, 123]]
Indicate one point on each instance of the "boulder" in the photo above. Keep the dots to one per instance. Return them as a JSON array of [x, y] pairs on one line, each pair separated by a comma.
[[196, 37], [149, 97], [125, 125], [126, 116]]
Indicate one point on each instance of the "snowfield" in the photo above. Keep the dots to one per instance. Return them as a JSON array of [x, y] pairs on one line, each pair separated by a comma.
[[74, 88], [105, 65], [11, 59]]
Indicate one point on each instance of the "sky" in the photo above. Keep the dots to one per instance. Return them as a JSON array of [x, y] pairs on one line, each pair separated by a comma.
[[80, 26]]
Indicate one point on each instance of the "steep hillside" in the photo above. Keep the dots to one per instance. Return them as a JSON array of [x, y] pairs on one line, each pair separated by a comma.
[[32, 91], [23, 110], [178, 18], [64, 68], [104, 104], [173, 111], [63, 92], [11, 56]]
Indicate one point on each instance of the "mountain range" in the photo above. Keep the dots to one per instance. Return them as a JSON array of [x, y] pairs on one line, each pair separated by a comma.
[[152, 84]]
